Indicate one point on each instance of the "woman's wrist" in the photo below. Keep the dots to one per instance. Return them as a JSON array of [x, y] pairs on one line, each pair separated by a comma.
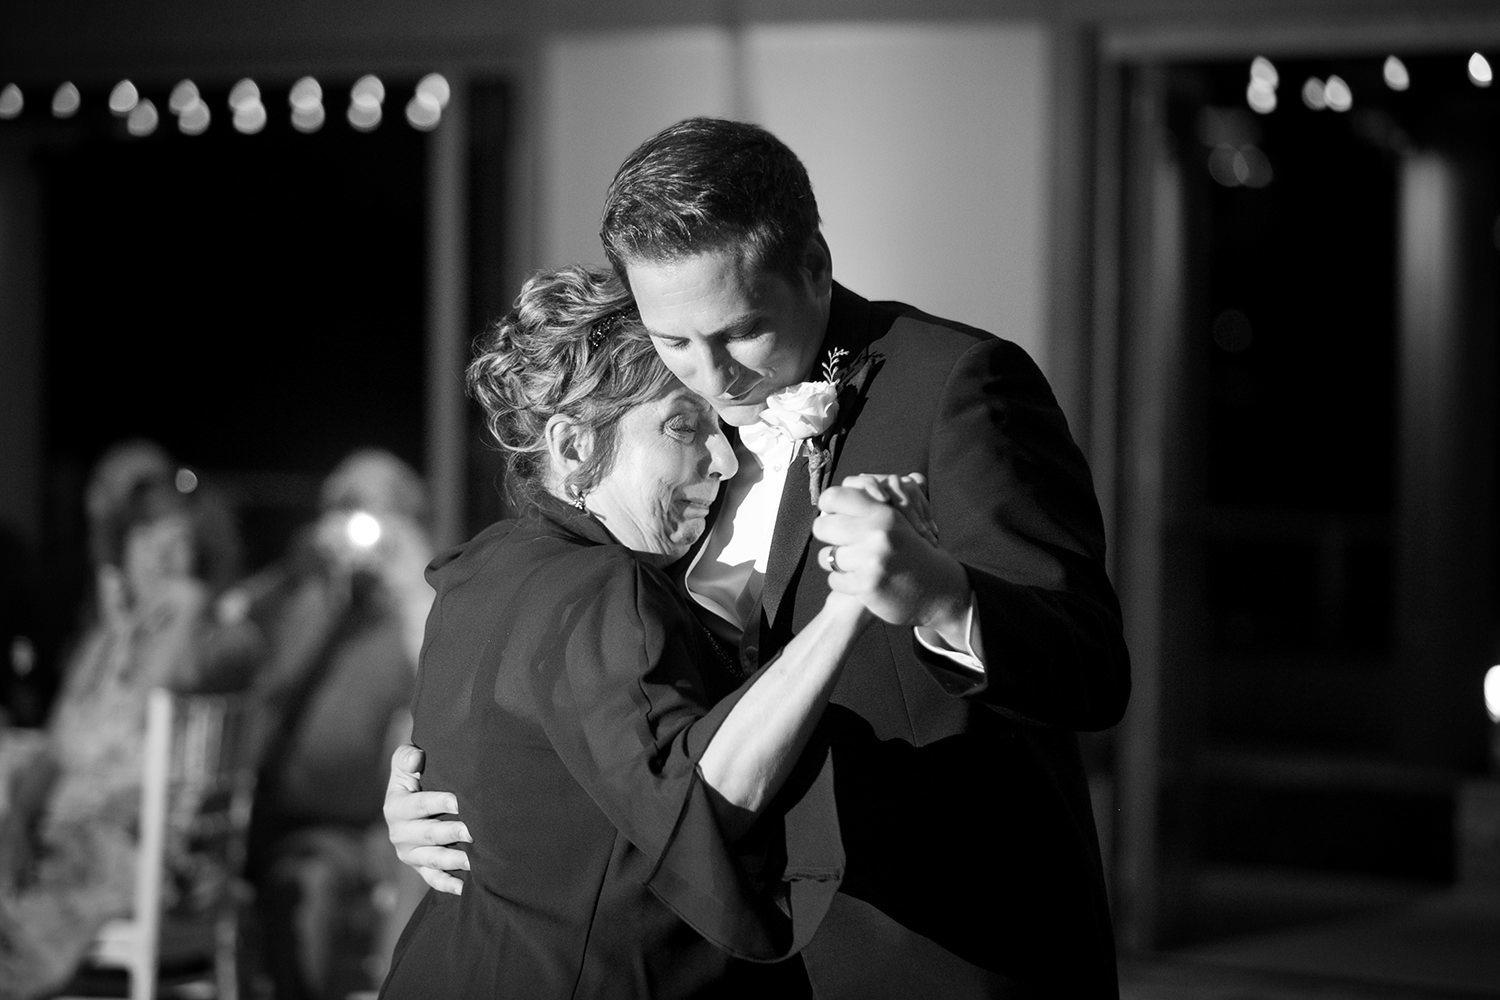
[[845, 609]]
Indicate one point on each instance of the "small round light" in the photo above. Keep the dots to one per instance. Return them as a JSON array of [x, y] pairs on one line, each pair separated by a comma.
[[364, 117], [423, 113], [11, 101], [363, 529], [306, 94], [123, 98], [66, 100], [1337, 95], [194, 119], [250, 119], [143, 119], [368, 91], [309, 120], [435, 86], [1312, 94], [1263, 72], [1260, 97], [22, 655], [1492, 693], [1258, 172], [244, 94], [1395, 73], [1221, 165], [184, 95], [1479, 71]]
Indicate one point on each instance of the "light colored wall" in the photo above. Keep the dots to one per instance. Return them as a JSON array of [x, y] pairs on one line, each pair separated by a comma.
[[926, 144], [601, 94], [926, 148]]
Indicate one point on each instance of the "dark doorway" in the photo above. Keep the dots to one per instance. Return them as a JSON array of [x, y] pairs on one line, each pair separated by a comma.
[[1323, 532]]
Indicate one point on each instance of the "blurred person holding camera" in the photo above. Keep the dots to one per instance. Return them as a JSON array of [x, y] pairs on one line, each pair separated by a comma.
[[343, 611]]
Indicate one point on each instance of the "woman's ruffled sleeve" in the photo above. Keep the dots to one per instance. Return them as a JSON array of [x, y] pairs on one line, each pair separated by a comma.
[[624, 705]]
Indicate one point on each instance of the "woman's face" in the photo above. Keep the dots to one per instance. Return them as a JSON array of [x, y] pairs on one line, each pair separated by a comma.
[[157, 552], [670, 457]]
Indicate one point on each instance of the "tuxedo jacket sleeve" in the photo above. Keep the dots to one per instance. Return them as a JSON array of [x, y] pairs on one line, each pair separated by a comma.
[[1015, 503]]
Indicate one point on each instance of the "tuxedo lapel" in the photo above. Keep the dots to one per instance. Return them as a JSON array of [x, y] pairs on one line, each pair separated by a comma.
[[851, 329], [851, 401]]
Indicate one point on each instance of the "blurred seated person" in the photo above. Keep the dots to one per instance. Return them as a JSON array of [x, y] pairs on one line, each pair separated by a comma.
[[343, 611], [71, 791], [21, 703]]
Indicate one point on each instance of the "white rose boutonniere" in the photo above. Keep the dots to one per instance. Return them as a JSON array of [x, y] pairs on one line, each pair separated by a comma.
[[805, 412]]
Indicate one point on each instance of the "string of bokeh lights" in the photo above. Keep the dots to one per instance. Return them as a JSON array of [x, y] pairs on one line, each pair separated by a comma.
[[1242, 163], [306, 106], [1332, 93]]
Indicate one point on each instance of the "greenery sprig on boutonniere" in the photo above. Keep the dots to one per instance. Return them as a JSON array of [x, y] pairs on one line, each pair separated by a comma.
[[805, 413]]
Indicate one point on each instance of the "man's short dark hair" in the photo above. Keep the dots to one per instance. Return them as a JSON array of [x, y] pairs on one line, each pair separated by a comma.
[[711, 184]]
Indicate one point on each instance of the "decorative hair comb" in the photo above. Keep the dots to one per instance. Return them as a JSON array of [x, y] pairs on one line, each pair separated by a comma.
[[604, 327]]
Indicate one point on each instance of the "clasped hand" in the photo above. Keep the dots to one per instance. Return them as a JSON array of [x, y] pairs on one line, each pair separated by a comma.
[[881, 548]]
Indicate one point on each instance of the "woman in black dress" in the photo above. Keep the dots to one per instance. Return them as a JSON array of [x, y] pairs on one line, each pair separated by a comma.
[[640, 825]]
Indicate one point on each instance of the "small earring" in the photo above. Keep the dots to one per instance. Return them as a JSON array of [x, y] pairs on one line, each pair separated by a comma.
[[578, 496]]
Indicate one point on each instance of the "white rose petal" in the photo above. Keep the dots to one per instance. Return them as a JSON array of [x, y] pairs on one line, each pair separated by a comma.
[[803, 410]]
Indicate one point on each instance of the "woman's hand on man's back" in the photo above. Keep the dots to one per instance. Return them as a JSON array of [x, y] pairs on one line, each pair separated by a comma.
[[416, 827]]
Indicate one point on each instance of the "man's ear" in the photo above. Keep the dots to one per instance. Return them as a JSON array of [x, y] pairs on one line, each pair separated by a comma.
[[817, 264], [569, 444]]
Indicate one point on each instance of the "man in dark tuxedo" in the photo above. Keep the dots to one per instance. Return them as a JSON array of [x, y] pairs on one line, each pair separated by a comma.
[[973, 867]]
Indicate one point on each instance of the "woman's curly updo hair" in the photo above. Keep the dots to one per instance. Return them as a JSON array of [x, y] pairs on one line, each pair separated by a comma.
[[572, 346]]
